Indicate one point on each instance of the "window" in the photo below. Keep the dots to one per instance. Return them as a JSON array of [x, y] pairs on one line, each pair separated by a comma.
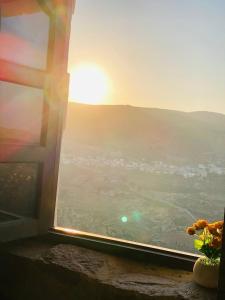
[[33, 57], [143, 148]]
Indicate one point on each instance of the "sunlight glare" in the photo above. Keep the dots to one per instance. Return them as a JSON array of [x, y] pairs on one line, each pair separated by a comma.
[[89, 84]]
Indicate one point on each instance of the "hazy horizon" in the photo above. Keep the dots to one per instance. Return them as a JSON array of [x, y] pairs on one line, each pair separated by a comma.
[[150, 107]]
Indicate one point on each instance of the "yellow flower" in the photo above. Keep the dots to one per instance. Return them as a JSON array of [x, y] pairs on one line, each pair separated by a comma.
[[219, 224], [190, 230], [216, 242], [201, 224], [212, 228]]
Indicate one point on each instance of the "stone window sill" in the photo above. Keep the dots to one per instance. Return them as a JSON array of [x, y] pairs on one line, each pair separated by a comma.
[[36, 269]]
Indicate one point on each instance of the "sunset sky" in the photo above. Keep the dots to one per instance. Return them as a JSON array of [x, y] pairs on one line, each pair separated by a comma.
[[153, 53]]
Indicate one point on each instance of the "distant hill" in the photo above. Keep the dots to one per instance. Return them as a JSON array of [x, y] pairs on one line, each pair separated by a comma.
[[147, 132]]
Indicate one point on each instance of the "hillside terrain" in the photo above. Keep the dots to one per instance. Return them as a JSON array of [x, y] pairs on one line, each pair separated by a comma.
[[160, 169], [150, 132]]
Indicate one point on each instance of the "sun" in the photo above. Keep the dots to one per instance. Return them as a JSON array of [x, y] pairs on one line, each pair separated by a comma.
[[89, 84]]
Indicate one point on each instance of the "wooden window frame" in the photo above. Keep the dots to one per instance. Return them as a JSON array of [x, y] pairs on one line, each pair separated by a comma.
[[53, 80]]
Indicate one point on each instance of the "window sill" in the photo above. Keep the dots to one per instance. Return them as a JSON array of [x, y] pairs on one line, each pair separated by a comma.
[[40, 269]]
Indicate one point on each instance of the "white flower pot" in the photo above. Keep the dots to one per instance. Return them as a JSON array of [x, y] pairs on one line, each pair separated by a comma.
[[206, 274]]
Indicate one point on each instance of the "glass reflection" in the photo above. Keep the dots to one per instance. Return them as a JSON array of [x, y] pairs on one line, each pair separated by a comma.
[[20, 113], [24, 34], [18, 183]]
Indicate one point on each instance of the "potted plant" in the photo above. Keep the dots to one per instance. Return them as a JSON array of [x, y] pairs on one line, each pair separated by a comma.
[[209, 242]]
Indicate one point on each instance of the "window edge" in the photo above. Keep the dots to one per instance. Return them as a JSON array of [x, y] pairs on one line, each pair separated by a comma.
[[135, 251]]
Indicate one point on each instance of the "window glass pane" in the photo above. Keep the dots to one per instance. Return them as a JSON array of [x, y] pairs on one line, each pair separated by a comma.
[[18, 194], [20, 113], [24, 33], [148, 158]]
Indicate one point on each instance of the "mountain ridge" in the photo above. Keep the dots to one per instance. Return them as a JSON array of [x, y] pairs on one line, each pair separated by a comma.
[[150, 132], [71, 102]]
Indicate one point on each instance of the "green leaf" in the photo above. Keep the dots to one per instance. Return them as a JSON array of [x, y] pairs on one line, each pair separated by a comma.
[[198, 244], [210, 252]]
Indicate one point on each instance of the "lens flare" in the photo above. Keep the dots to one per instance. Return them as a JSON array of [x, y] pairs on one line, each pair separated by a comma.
[[89, 84], [124, 219]]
